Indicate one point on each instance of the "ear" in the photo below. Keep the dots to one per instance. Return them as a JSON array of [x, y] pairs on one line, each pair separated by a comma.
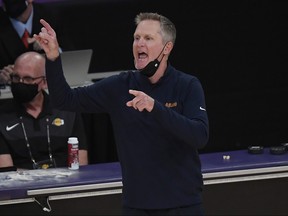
[[168, 48], [43, 84]]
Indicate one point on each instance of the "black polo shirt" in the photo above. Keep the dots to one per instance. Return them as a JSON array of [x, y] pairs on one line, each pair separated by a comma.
[[60, 125]]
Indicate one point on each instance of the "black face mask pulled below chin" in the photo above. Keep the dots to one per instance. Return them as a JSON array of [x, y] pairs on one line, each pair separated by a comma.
[[150, 69], [24, 93]]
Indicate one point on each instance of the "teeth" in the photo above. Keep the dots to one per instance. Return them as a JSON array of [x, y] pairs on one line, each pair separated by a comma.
[[142, 56]]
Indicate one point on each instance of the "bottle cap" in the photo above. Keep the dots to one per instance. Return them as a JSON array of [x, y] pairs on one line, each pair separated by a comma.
[[73, 140]]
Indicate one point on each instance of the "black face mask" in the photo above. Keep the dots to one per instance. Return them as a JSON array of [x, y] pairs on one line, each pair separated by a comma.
[[15, 8], [150, 69], [24, 93]]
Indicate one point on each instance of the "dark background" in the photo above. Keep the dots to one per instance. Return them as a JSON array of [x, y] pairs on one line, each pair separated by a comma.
[[237, 48]]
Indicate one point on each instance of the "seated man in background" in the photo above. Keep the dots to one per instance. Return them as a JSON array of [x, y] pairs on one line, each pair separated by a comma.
[[33, 134]]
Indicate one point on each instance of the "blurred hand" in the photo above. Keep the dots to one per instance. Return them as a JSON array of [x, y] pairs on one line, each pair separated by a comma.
[[47, 39], [5, 74], [141, 101], [36, 45]]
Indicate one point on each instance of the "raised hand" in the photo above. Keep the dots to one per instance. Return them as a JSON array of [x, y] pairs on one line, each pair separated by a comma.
[[48, 40]]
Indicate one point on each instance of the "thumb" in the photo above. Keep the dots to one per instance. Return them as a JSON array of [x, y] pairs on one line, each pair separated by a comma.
[[31, 40], [129, 103]]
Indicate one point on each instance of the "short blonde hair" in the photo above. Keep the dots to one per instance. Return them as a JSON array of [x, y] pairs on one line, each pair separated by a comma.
[[168, 30]]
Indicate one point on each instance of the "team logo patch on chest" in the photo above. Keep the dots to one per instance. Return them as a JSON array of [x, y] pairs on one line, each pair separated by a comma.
[[170, 105], [58, 122]]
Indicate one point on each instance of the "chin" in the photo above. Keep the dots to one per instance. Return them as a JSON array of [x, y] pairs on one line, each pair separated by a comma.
[[138, 67], [141, 66]]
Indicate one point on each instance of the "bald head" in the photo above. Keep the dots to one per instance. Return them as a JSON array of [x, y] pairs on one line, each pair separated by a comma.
[[30, 64]]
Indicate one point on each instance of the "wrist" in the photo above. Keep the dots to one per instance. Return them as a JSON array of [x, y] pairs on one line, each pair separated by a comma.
[[53, 57]]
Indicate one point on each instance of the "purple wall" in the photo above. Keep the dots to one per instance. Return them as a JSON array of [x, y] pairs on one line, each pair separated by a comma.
[[41, 1]]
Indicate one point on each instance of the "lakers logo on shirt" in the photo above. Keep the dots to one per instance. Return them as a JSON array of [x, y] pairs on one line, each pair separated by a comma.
[[170, 105], [58, 122], [45, 166]]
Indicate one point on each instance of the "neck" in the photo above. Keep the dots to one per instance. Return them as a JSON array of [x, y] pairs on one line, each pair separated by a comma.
[[35, 107], [160, 72]]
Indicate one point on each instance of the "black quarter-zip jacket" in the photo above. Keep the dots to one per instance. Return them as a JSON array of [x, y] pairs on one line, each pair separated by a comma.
[[157, 150]]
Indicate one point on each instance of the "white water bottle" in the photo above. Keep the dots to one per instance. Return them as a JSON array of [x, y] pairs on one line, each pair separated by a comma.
[[73, 153]]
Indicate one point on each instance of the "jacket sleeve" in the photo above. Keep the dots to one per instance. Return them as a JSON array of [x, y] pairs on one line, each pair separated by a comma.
[[191, 124]]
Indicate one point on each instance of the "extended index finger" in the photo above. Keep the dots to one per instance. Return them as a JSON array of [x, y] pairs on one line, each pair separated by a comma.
[[47, 26], [134, 92]]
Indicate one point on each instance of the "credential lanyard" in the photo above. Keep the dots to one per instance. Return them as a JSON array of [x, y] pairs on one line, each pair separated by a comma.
[[28, 144]]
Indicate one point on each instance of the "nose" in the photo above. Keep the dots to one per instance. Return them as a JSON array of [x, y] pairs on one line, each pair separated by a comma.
[[140, 42]]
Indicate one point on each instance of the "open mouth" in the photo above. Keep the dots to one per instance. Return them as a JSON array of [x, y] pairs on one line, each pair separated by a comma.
[[142, 56]]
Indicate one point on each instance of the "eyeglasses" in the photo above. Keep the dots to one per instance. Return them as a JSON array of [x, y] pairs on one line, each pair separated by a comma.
[[26, 79]]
